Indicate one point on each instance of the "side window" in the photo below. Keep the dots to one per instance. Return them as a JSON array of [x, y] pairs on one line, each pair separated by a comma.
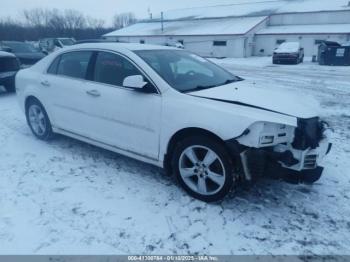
[[112, 69], [54, 66], [74, 64]]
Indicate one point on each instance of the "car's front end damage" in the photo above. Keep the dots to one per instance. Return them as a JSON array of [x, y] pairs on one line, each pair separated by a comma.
[[299, 149]]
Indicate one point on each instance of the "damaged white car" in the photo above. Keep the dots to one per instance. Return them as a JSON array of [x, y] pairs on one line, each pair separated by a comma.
[[176, 110]]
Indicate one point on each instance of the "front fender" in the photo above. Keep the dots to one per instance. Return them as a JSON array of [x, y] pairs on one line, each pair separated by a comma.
[[226, 121]]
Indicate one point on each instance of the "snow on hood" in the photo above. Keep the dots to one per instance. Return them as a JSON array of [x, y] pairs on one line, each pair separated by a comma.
[[289, 47], [247, 93]]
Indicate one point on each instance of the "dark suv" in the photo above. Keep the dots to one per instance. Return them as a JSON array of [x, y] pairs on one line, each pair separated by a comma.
[[288, 52], [9, 66], [26, 53]]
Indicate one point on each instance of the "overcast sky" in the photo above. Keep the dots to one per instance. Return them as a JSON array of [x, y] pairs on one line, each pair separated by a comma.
[[105, 9]]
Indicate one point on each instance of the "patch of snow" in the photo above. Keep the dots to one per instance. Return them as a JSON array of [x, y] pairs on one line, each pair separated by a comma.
[[227, 26], [288, 47]]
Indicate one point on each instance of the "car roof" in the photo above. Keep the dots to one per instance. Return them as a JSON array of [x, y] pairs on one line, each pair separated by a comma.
[[121, 46]]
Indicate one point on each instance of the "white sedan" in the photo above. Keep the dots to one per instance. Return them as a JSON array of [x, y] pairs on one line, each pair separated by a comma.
[[173, 109]]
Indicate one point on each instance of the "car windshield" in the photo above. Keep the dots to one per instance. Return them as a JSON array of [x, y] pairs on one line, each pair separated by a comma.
[[185, 71], [67, 41], [18, 47]]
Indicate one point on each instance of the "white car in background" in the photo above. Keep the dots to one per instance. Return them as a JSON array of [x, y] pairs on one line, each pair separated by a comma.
[[173, 109]]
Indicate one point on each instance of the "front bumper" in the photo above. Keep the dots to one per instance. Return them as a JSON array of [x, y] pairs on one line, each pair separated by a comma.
[[304, 159]]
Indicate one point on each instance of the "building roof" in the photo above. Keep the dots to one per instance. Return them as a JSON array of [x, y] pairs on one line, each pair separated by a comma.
[[223, 26], [306, 29], [257, 8]]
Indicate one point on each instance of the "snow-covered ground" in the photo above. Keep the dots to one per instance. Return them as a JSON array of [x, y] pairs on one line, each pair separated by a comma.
[[67, 197]]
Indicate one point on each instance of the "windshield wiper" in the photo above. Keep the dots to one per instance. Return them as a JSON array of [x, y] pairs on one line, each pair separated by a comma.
[[202, 87]]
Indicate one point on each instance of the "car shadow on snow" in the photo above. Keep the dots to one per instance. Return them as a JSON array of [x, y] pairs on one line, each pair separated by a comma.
[[263, 191]]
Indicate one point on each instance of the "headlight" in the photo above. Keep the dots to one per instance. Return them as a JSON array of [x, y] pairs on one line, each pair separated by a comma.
[[266, 134]]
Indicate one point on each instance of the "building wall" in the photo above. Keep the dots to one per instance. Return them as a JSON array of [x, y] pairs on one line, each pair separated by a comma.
[[269, 42], [339, 17]]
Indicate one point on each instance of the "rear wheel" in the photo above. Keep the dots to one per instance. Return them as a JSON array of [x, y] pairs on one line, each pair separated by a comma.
[[38, 120], [203, 167]]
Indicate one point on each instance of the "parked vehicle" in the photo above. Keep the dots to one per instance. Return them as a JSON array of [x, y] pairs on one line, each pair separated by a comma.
[[173, 109], [49, 45], [9, 66], [288, 52], [26, 53]]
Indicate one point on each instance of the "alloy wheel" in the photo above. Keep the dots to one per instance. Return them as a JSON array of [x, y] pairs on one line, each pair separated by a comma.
[[202, 170]]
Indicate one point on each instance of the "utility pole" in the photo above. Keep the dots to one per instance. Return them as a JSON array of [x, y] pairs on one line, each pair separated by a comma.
[[162, 20]]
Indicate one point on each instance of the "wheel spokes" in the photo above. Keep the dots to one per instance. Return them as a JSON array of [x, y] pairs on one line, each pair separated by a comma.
[[209, 158], [216, 178], [202, 185], [187, 172], [191, 154], [202, 170]]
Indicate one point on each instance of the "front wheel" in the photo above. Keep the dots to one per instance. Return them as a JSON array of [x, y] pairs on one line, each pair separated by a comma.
[[203, 167], [38, 120]]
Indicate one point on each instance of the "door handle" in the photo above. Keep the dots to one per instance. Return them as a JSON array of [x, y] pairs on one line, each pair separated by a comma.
[[94, 93], [45, 83]]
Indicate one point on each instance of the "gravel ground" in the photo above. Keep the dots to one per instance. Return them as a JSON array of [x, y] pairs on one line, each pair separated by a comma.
[[67, 197]]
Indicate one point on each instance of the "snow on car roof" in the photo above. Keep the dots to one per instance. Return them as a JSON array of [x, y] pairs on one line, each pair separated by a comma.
[[227, 26], [257, 8], [306, 29]]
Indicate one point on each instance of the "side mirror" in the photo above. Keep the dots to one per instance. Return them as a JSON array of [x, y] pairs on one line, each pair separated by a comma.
[[134, 82]]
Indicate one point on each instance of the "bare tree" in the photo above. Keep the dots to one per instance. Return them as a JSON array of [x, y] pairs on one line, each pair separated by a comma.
[[37, 17], [42, 23], [94, 23], [73, 19], [123, 20]]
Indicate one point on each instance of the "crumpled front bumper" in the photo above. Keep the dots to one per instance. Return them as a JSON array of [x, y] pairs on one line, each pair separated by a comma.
[[306, 159]]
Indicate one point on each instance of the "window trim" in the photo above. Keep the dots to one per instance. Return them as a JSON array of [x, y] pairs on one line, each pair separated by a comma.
[[95, 50]]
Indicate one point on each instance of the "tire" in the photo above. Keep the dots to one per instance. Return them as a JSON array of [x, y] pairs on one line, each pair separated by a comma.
[[38, 120], [203, 168]]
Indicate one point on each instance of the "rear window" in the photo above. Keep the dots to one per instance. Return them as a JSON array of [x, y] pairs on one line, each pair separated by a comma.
[[8, 64]]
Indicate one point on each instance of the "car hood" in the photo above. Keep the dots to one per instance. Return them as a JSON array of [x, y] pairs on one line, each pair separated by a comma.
[[249, 94]]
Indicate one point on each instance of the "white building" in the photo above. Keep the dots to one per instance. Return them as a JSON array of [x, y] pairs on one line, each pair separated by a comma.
[[241, 30]]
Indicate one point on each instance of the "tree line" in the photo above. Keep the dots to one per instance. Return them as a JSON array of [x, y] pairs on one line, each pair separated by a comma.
[[44, 23]]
